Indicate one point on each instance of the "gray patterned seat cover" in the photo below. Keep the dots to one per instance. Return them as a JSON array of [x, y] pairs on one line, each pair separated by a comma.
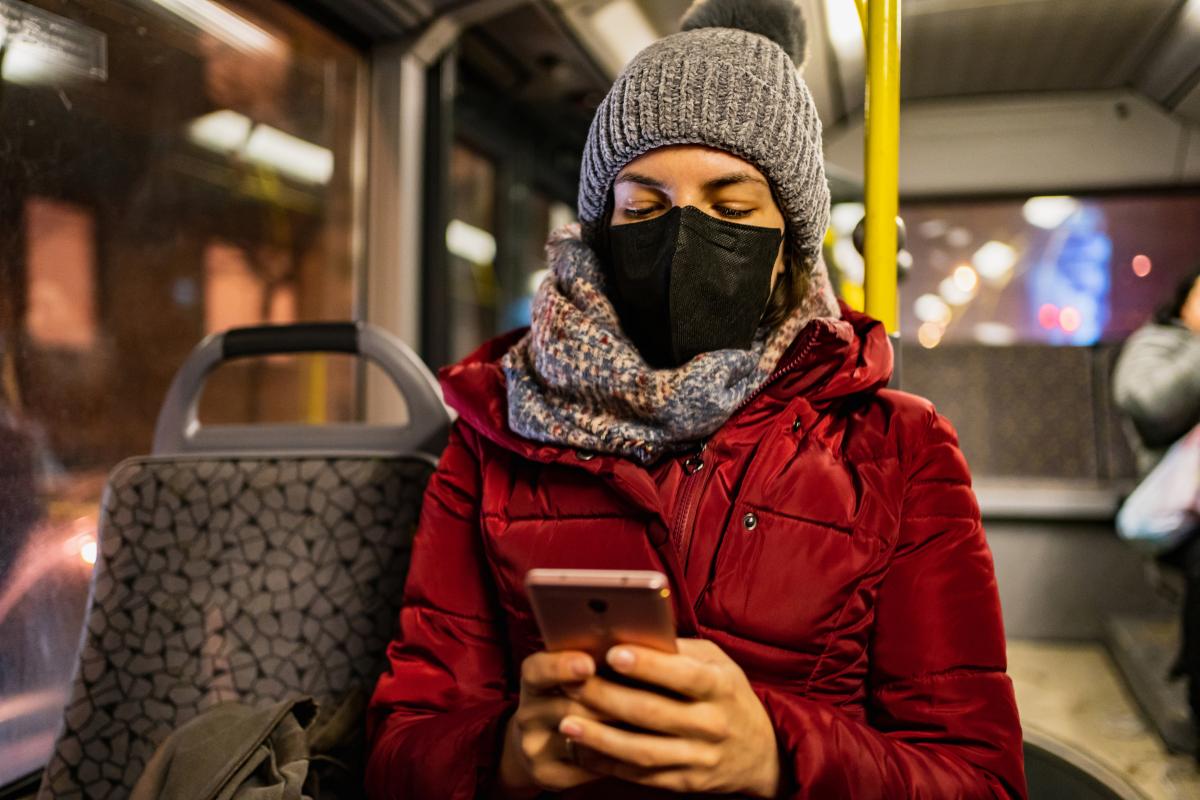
[[247, 578]]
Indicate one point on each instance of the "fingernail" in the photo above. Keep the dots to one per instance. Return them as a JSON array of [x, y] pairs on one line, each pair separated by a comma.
[[582, 667], [570, 728], [620, 658]]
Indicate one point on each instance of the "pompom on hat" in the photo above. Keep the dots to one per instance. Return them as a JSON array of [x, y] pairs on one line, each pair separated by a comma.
[[729, 79]]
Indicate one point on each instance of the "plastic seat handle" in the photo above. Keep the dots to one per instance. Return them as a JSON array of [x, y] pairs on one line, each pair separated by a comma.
[[178, 430]]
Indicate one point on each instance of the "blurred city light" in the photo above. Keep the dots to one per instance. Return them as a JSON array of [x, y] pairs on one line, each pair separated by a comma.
[[535, 280], [959, 237], [40, 47], [849, 260], [966, 279], [953, 294], [1141, 265], [28, 63], [470, 243], [233, 134], [930, 335], [289, 154], [933, 228], [995, 334], [217, 21], [843, 217], [224, 131], [931, 308], [1049, 211], [81, 543], [995, 261], [1069, 319], [1048, 316]]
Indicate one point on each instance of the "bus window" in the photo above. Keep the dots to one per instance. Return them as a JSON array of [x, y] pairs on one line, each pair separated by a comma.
[[471, 243], [1055, 270], [167, 175], [1013, 311], [1060, 270], [528, 270]]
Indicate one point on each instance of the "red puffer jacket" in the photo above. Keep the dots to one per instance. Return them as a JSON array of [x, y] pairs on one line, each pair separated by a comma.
[[847, 574]]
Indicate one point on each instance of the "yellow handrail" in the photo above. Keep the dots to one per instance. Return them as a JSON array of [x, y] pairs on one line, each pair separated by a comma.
[[882, 158]]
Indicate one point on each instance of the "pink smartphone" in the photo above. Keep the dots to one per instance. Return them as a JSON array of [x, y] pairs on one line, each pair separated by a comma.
[[594, 609]]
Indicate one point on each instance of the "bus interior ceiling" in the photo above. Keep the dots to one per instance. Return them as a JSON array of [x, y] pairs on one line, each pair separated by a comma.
[[1091, 106]]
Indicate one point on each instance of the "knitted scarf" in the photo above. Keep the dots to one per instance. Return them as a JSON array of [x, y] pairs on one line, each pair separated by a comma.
[[577, 381]]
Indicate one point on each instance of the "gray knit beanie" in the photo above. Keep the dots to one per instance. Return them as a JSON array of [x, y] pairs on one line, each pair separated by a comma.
[[729, 80]]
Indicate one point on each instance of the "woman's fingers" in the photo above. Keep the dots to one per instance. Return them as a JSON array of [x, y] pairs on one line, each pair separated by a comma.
[[547, 711], [642, 750], [683, 674], [645, 709], [543, 672]]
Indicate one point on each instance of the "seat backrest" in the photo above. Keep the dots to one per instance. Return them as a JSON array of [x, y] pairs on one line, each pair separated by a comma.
[[253, 577]]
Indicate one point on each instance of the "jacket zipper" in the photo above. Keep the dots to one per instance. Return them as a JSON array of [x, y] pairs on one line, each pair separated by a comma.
[[694, 465], [682, 535]]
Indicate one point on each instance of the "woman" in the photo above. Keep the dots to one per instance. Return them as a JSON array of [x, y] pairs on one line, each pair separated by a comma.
[[691, 399], [1157, 385], [1157, 377]]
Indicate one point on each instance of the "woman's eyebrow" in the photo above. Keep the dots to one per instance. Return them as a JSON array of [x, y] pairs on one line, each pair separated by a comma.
[[732, 179], [640, 179]]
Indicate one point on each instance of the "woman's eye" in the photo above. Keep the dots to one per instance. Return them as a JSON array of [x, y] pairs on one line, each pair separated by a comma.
[[635, 213], [732, 213]]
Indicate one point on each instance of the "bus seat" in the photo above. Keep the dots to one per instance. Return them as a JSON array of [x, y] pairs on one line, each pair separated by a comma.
[[1056, 771], [250, 563]]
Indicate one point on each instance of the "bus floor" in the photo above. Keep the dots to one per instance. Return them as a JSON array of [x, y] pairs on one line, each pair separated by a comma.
[[1072, 692]]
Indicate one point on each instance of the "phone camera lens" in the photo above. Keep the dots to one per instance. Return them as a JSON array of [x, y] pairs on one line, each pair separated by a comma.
[[598, 605]]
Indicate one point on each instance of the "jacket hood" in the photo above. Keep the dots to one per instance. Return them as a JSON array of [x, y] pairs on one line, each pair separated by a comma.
[[830, 359]]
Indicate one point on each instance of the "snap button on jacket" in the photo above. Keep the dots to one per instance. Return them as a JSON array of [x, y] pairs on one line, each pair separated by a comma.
[[831, 545]]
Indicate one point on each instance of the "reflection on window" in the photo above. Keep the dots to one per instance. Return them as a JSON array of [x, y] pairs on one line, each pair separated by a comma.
[[545, 215], [233, 295], [176, 168], [1054, 270], [471, 242], [61, 260], [495, 261], [236, 294]]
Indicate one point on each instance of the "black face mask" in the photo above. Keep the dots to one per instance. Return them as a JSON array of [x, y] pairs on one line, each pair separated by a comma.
[[686, 283]]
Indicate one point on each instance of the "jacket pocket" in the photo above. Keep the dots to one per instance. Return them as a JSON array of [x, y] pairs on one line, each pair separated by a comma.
[[789, 582]]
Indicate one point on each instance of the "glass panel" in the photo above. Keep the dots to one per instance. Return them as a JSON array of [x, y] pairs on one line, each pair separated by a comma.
[[1049, 270], [544, 216], [471, 242], [171, 169]]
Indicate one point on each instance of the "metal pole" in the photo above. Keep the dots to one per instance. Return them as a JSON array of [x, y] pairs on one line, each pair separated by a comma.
[[882, 119]]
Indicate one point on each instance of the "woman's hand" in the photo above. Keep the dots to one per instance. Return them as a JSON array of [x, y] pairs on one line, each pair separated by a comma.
[[536, 756], [717, 739]]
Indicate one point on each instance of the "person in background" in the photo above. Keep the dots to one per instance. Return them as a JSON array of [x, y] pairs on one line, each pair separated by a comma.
[[1157, 378], [691, 399], [1156, 384]]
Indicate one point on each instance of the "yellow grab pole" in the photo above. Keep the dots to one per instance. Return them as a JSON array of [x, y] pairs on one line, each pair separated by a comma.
[[882, 159]]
